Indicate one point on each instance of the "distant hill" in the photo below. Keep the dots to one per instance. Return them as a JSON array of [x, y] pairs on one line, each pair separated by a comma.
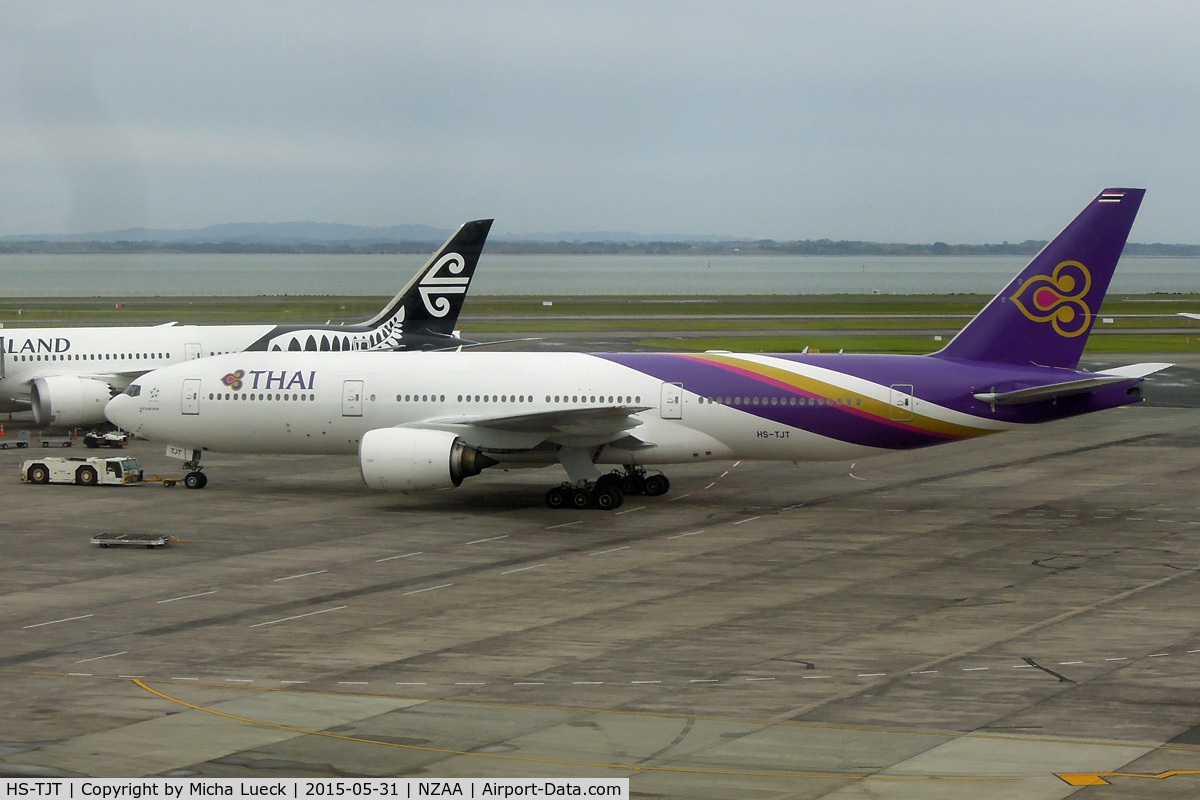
[[330, 237], [290, 233]]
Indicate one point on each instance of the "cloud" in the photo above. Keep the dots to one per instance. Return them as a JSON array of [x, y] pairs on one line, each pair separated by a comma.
[[918, 121]]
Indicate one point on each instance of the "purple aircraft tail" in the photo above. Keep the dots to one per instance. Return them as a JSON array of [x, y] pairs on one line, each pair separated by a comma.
[[1045, 315]]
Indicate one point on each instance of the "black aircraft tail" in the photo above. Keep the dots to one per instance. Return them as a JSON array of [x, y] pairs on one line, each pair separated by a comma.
[[421, 317], [431, 301]]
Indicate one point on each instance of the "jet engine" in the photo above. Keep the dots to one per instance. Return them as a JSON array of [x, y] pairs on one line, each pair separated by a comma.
[[68, 400], [410, 459]]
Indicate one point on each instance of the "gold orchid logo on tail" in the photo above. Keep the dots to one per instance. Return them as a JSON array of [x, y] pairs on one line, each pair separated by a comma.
[[1058, 299]]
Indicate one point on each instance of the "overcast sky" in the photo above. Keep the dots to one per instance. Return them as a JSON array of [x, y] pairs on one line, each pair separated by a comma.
[[914, 121]]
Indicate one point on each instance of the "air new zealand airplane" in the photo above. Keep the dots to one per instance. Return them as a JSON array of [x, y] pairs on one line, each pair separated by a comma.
[[67, 375]]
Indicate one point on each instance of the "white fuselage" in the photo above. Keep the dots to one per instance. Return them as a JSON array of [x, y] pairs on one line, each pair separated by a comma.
[[322, 403], [116, 355]]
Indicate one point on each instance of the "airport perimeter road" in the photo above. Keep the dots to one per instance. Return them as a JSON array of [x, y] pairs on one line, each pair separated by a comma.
[[994, 619]]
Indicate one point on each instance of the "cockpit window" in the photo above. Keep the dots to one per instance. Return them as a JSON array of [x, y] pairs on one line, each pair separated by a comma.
[[134, 390]]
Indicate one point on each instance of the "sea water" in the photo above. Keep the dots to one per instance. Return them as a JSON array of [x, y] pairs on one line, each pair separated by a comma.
[[147, 275]]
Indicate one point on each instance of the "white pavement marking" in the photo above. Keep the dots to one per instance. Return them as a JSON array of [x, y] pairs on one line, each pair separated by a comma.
[[187, 596], [681, 535], [298, 616], [975, 669], [80, 674], [1157, 655], [565, 524], [393, 558], [760, 679], [679, 497], [638, 682], [1117, 659], [586, 683], [529, 683], [925, 672], [489, 539], [740, 521], [185, 679], [291, 683], [522, 569], [704, 680], [428, 589], [56, 621], [301, 575], [238, 680], [97, 658], [629, 510], [410, 683], [872, 674], [815, 677], [615, 549], [1068, 663], [470, 683]]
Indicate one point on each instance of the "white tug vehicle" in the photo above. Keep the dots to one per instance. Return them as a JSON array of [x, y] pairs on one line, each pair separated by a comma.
[[82, 471]]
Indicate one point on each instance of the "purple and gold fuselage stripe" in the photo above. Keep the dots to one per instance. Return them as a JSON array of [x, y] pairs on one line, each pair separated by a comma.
[[872, 409], [701, 375]]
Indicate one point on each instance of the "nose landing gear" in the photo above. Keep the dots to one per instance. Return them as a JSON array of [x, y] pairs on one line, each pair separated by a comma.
[[194, 479]]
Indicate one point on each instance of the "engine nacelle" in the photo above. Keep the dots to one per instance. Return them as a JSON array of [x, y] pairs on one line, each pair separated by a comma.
[[68, 400], [410, 459]]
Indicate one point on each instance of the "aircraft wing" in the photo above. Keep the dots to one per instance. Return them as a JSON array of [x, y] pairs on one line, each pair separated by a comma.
[[1035, 394], [589, 426], [121, 377]]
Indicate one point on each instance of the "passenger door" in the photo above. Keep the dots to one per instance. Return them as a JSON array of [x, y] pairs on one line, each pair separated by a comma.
[[671, 406], [352, 392], [902, 402], [191, 396], [192, 350]]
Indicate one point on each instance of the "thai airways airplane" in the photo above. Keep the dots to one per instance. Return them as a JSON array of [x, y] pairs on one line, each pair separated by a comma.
[[68, 375], [429, 420]]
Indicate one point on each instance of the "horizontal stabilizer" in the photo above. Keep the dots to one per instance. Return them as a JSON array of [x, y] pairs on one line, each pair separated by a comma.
[[1137, 370], [1037, 394]]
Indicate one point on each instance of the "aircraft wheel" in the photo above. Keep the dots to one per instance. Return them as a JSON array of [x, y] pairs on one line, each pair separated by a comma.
[[86, 476], [633, 484], [557, 497], [606, 498], [612, 480], [581, 498], [195, 480], [656, 485]]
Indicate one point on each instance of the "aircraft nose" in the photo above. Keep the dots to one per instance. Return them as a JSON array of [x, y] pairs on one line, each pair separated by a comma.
[[120, 412]]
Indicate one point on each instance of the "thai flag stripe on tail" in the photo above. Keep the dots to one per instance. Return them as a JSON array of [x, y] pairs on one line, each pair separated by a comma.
[[1111, 197]]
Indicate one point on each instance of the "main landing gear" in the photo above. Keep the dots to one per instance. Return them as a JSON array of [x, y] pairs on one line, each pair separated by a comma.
[[605, 498], [608, 491], [194, 479]]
